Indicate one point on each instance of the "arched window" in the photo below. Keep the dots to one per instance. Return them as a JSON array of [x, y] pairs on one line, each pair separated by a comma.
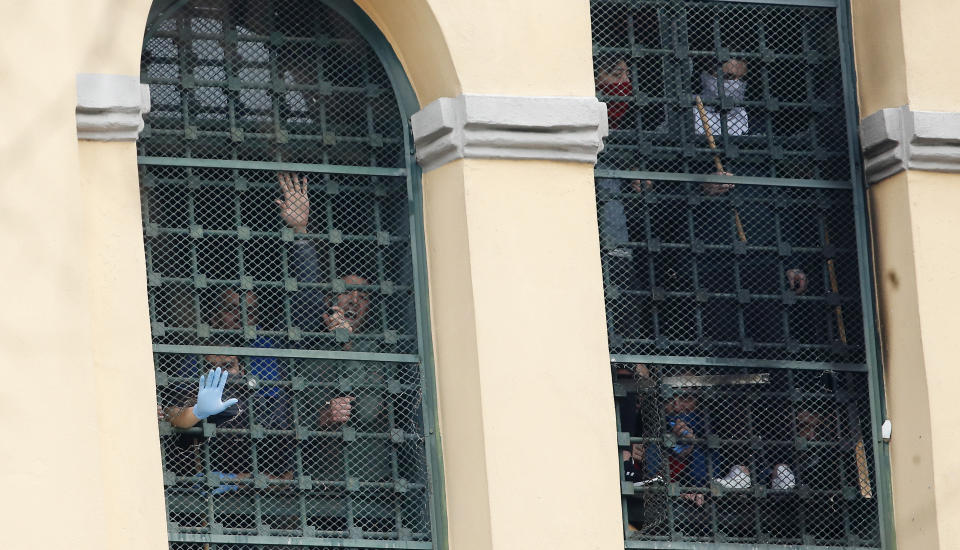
[[733, 236], [281, 218]]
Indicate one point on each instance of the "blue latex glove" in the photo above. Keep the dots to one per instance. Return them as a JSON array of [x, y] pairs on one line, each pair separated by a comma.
[[210, 393]]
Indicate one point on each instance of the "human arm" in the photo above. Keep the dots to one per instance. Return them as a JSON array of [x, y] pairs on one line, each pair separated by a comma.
[[181, 417], [295, 213], [713, 189], [209, 401], [336, 318]]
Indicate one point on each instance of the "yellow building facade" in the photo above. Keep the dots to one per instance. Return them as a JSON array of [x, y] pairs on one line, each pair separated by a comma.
[[525, 412]]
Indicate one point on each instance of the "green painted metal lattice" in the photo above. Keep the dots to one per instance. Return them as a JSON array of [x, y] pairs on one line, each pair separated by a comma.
[[735, 266], [281, 227]]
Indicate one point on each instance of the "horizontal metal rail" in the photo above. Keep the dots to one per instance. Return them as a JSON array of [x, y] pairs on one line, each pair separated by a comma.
[[706, 545], [275, 166], [288, 353], [711, 178], [301, 541], [737, 362], [699, 4]]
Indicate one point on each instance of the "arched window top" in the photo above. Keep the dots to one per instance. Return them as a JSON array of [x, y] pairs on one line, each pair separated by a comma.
[[280, 216], [269, 81]]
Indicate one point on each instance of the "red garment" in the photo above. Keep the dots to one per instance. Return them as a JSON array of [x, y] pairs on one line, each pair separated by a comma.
[[676, 466], [616, 109]]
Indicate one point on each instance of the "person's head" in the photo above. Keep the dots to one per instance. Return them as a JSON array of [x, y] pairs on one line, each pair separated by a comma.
[[612, 70], [734, 69], [229, 313], [229, 363], [683, 398], [808, 422], [354, 302], [682, 401], [728, 77], [613, 79], [632, 371]]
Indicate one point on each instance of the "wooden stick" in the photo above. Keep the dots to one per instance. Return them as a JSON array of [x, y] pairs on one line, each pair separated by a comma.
[[859, 450], [716, 162], [706, 129], [863, 473], [740, 232], [838, 309]]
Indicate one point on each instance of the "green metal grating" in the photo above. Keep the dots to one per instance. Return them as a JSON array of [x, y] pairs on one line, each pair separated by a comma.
[[279, 218], [738, 299]]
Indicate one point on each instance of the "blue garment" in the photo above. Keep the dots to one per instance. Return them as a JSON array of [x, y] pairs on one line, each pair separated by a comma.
[[695, 471]]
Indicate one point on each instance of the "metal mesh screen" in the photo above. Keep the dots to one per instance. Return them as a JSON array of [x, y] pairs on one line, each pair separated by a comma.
[[267, 80], [754, 456], [725, 198], [769, 78], [285, 463], [276, 199], [753, 271]]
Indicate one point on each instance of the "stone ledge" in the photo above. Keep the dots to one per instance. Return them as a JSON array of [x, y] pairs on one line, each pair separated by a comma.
[[509, 127], [898, 139], [110, 107]]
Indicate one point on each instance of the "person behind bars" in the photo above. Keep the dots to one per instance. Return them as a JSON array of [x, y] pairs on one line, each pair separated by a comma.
[[229, 453], [699, 227], [256, 391], [362, 402]]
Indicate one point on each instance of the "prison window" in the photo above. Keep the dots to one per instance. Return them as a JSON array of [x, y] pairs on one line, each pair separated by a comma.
[[732, 241], [280, 224]]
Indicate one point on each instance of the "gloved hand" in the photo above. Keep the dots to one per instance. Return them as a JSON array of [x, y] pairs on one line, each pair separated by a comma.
[[210, 393]]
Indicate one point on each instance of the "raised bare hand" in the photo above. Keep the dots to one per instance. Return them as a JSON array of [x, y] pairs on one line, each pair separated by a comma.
[[295, 205], [797, 280]]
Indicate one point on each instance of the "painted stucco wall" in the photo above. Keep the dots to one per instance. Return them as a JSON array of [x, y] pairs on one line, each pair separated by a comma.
[[915, 219], [516, 362], [903, 51], [878, 49], [534, 47], [905, 376], [526, 408], [539, 460], [79, 457], [904, 54], [78, 406]]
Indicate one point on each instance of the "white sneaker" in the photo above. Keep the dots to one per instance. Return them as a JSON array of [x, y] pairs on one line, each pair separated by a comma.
[[737, 478], [783, 478]]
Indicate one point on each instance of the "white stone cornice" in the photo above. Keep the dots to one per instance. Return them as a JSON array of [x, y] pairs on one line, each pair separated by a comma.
[[110, 107], [509, 127], [898, 139]]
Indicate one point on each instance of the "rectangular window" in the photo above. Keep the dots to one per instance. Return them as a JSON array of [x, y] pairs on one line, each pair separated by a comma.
[[733, 246]]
